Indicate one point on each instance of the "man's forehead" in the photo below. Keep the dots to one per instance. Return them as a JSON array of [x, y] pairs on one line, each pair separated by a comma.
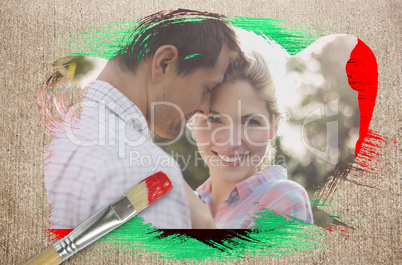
[[221, 65]]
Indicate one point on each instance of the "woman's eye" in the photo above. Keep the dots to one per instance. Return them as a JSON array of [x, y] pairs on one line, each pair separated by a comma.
[[252, 122], [213, 119]]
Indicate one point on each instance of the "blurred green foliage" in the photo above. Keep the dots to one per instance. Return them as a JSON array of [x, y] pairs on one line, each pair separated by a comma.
[[324, 85]]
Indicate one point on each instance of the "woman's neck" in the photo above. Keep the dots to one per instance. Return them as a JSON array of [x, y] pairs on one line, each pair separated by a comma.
[[220, 191], [221, 188]]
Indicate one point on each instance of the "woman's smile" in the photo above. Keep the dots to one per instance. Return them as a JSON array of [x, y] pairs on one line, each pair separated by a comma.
[[231, 160]]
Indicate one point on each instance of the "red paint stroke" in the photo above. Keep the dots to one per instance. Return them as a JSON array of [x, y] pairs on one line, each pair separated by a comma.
[[370, 149], [158, 185], [58, 233], [342, 234], [362, 73]]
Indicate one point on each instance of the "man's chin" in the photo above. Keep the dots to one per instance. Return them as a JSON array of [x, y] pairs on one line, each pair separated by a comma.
[[170, 133], [167, 136]]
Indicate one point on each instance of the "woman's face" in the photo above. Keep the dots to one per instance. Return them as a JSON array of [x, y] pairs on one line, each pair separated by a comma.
[[233, 137]]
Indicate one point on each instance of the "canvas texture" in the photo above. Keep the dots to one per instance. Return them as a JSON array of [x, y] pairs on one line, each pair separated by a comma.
[[31, 34]]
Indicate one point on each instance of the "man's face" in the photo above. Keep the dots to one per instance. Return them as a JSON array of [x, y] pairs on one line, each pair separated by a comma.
[[186, 94]]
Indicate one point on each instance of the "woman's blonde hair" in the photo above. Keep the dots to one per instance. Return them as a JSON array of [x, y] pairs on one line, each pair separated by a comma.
[[256, 72]]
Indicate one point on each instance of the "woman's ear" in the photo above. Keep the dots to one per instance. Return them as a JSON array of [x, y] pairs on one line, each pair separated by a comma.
[[273, 130], [164, 61]]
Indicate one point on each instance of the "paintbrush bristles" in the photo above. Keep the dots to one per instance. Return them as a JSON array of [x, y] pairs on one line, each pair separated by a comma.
[[138, 196], [149, 190]]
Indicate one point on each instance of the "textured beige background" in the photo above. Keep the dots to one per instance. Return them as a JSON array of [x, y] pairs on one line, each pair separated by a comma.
[[29, 31]]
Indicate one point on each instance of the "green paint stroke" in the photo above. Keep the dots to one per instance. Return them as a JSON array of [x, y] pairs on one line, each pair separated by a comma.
[[106, 42], [275, 235], [292, 37], [191, 56]]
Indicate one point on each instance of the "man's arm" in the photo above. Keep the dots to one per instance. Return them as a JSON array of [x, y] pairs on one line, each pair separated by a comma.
[[201, 217]]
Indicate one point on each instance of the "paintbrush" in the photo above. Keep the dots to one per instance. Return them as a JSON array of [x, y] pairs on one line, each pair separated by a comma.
[[115, 214]]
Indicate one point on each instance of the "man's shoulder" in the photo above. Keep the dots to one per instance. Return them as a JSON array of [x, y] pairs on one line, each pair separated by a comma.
[[137, 153]]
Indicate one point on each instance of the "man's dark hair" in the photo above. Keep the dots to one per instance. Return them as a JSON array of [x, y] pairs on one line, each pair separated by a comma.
[[198, 37]]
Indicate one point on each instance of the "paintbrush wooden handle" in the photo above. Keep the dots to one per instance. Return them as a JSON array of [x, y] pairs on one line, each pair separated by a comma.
[[105, 220], [47, 257]]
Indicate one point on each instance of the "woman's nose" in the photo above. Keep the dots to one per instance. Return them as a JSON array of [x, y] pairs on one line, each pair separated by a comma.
[[230, 136]]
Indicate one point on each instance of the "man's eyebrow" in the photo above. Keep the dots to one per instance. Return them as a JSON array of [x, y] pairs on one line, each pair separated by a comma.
[[215, 85]]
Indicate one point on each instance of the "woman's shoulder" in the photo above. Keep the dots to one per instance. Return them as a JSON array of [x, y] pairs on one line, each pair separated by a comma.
[[276, 177], [271, 174]]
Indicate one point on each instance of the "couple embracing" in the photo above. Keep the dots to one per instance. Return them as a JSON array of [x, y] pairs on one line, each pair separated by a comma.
[[191, 61]]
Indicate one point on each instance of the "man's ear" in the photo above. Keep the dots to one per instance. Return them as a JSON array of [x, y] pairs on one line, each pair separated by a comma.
[[164, 61]]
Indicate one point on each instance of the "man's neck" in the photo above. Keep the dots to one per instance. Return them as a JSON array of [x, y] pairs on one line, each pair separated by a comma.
[[133, 86]]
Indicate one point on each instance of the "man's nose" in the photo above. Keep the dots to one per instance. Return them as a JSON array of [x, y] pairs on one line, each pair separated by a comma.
[[205, 103]]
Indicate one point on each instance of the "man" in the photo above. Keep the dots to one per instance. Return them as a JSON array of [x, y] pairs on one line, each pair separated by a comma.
[[157, 81]]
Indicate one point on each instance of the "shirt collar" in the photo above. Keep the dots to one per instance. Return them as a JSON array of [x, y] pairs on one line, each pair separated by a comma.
[[116, 102], [248, 186]]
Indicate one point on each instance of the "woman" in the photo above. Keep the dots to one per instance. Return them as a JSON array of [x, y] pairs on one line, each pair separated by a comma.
[[233, 139]]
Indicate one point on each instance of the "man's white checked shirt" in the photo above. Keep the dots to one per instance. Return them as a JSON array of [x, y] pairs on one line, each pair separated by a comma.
[[104, 154]]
